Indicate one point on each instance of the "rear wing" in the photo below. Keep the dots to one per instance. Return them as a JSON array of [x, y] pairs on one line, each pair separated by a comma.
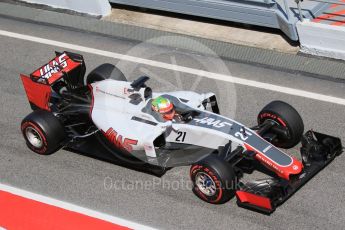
[[38, 93], [69, 67], [65, 63]]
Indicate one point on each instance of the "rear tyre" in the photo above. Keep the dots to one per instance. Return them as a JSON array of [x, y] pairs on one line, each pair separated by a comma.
[[42, 132], [286, 116], [214, 181], [105, 71]]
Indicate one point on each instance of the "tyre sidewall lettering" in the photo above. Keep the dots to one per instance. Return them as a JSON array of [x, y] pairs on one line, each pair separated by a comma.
[[272, 116], [219, 190]]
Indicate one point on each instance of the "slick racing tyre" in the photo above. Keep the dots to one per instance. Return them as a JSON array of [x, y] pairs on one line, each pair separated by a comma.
[[42, 132], [105, 71], [285, 116], [214, 180]]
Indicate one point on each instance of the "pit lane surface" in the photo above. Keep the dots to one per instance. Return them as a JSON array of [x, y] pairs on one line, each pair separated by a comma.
[[167, 202]]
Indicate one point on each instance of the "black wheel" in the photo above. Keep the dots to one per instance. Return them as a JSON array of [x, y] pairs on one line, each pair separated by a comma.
[[105, 71], [214, 181], [42, 132], [284, 115]]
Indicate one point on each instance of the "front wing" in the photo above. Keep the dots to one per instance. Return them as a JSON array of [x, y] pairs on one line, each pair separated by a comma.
[[317, 151]]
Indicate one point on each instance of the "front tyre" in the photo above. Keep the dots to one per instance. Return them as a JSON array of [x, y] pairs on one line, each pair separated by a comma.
[[285, 116], [214, 180], [42, 132]]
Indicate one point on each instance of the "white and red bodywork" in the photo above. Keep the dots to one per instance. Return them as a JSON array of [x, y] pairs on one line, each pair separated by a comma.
[[113, 113]]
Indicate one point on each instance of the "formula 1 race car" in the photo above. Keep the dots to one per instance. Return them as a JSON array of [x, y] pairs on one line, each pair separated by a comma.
[[102, 115]]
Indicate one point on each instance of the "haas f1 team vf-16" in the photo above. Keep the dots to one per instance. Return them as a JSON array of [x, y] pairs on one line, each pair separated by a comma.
[[107, 117]]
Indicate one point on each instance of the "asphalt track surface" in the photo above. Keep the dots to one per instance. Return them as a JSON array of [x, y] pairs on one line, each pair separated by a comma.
[[164, 203]]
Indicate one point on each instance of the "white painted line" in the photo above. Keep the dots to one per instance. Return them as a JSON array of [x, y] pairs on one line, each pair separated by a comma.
[[73, 208], [220, 77]]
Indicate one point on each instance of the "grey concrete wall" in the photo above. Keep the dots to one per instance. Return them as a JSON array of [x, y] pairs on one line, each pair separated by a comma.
[[322, 39], [265, 13], [93, 7]]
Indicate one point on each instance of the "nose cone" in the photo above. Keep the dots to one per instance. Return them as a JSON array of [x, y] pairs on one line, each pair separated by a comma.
[[284, 172]]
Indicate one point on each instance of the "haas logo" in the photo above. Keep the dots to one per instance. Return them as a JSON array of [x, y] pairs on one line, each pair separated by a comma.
[[116, 139], [212, 122], [53, 67]]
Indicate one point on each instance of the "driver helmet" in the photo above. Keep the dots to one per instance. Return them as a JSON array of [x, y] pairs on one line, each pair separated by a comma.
[[164, 107]]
